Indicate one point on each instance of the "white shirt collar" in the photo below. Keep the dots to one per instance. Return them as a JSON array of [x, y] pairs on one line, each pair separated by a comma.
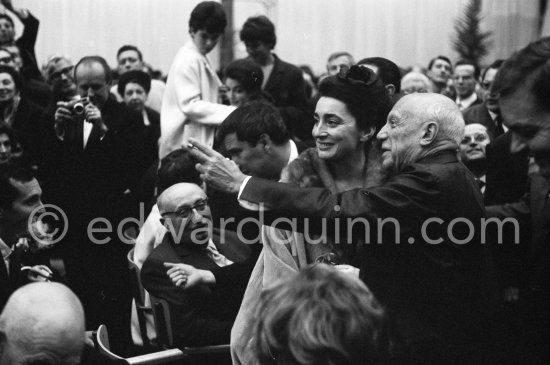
[[293, 152], [465, 103]]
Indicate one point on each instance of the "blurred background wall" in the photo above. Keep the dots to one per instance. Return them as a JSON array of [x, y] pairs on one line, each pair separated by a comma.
[[409, 32]]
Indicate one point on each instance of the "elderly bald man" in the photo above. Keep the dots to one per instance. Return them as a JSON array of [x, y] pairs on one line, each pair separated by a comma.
[[42, 323], [425, 266], [203, 316]]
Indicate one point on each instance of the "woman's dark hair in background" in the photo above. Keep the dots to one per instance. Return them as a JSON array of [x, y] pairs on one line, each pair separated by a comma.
[[248, 74]]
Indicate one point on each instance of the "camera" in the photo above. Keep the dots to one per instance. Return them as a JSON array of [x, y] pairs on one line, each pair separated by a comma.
[[79, 105]]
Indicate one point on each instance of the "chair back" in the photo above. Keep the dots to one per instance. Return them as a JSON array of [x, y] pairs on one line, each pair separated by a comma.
[[101, 342], [163, 324], [138, 292]]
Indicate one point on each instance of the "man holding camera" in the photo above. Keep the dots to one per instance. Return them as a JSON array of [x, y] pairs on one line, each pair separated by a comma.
[[97, 161]]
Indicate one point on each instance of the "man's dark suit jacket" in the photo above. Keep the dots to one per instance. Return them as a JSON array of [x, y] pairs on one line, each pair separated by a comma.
[[287, 87], [90, 181], [435, 293], [478, 113], [151, 134], [202, 315], [507, 182], [28, 131], [26, 47]]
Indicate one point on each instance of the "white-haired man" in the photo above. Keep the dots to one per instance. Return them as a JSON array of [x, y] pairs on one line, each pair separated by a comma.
[[436, 283]]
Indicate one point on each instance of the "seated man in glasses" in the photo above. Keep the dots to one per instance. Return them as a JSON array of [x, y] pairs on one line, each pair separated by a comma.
[[203, 315]]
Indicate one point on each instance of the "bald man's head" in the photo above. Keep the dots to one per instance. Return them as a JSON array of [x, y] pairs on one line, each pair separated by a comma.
[[42, 323], [417, 126], [185, 214]]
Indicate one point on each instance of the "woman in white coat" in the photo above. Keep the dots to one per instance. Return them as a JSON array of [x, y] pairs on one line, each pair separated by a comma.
[[190, 105]]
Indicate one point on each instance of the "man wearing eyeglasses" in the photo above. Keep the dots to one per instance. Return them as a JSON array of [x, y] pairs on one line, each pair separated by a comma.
[[205, 314], [488, 112]]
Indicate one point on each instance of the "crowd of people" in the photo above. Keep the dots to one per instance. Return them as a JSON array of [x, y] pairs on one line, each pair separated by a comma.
[[369, 215]]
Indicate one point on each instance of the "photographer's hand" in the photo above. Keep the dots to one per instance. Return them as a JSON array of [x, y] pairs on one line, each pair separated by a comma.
[[63, 115], [93, 115]]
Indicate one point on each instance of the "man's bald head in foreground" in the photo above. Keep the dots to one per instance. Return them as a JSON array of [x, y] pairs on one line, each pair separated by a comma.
[[42, 323], [420, 125]]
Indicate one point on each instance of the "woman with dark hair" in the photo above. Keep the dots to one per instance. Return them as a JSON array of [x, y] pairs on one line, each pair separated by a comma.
[[352, 108], [243, 82], [19, 113], [190, 106]]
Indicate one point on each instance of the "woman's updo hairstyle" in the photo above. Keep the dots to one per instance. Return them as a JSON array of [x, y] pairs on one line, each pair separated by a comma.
[[363, 93]]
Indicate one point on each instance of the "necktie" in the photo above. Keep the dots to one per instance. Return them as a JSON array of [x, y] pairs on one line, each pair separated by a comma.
[[498, 126], [216, 256]]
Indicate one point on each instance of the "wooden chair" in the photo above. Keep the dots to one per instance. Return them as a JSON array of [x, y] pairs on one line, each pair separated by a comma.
[[101, 342], [142, 308], [165, 338]]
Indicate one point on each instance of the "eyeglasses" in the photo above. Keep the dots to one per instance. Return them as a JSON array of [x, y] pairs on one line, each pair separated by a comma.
[[478, 137], [67, 71], [185, 212]]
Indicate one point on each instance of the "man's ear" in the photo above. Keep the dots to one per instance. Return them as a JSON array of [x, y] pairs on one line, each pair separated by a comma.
[[265, 142], [429, 135], [390, 88], [367, 134]]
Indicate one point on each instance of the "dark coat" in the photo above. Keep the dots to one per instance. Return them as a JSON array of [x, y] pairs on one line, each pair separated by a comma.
[[478, 113], [96, 177], [28, 130], [26, 46], [287, 87], [202, 315], [151, 134], [440, 294]]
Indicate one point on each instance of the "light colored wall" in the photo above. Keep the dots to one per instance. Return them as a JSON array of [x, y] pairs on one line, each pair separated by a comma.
[[409, 32]]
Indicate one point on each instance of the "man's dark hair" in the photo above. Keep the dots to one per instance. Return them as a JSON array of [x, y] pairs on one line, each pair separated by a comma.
[[252, 120], [178, 166], [209, 16], [129, 47], [135, 76], [17, 80], [247, 73], [529, 63], [8, 18], [95, 59], [467, 62], [363, 93], [444, 58], [388, 71], [259, 29], [495, 65], [12, 171]]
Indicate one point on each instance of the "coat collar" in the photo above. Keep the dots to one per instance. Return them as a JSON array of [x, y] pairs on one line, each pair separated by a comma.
[[441, 157]]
